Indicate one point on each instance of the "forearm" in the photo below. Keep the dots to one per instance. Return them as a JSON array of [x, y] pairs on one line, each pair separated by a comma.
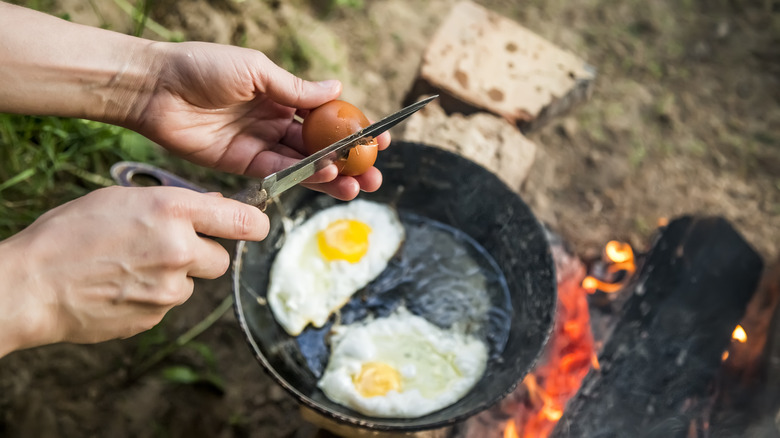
[[50, 66]]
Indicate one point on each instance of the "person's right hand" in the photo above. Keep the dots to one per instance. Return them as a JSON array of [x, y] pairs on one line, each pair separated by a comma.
[[112, 263]]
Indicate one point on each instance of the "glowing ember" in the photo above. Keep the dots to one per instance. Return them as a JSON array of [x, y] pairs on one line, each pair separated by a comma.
[[594, 362], [592, 284], [724, 356], [739, 334], [569, 356]]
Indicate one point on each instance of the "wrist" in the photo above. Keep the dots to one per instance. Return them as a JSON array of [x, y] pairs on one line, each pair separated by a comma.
[[126, 95], [134, 84]]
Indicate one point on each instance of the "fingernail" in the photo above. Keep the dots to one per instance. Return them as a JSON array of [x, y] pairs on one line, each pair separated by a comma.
[[215, 194], [330, 83]]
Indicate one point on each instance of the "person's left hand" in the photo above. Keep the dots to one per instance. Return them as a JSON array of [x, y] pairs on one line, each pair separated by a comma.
[[232, 109]]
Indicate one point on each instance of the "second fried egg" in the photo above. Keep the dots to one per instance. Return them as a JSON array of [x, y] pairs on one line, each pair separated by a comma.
[[401, 366]]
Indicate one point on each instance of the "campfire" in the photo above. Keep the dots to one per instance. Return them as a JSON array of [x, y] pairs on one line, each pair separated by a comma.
[[677, 357], [571, 351]]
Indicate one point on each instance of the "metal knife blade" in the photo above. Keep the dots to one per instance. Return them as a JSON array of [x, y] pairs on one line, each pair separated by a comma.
[[272, 185]]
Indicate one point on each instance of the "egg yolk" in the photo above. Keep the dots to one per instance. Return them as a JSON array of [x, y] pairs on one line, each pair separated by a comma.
[[344, 239], [376, 378]]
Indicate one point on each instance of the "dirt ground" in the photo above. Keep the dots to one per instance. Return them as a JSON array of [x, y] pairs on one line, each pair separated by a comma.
[[684, 119]]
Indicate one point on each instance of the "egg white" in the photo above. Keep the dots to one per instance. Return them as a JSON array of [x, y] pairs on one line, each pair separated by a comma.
[[306, 288], [438, 367]]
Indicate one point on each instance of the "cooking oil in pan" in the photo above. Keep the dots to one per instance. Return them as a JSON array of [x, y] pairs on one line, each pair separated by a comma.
[[441, 274]]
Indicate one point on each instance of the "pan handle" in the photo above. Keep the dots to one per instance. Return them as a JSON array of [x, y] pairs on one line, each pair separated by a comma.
[[134, 174]]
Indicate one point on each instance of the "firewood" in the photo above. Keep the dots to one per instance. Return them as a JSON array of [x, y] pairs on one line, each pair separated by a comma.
[[666, 348]]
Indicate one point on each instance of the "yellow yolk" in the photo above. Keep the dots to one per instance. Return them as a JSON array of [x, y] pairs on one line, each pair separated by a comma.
[[344, 239], [376, 378]]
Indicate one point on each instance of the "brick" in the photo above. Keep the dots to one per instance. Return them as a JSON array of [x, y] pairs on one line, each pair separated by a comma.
[[486, 139], [480, 60]]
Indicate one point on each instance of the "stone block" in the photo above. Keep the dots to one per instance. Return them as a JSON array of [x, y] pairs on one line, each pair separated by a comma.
[[479, 60], [488, 140]]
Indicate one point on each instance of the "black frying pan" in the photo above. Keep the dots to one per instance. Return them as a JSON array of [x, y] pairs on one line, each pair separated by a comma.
[[447, 188], [450, 189]]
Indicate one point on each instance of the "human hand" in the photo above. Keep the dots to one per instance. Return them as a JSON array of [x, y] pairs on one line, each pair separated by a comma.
[[112, 263], [232, 109]]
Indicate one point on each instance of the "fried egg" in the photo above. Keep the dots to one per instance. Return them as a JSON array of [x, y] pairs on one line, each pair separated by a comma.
[[328, 258], [401, 366]]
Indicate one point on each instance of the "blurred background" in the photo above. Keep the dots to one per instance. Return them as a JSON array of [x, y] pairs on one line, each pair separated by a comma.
[[684, 118]]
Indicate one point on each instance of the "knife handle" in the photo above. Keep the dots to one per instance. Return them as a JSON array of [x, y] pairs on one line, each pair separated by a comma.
[[134, 174]]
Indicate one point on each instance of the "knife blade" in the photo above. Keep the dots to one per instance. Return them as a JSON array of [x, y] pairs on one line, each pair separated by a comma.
[[258, 194]]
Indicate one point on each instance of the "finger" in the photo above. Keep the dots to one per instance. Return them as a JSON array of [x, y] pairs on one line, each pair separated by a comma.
[[212, 260], [268, 162], [371, 180], [293, 137], [383, 139], [289, 90], [226, 218], [345, 188]]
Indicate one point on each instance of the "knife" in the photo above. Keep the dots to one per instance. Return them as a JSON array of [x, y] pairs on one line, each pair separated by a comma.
[[260, 193]]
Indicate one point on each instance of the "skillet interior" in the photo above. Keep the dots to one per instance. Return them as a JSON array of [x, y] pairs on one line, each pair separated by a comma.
[[448, 188]]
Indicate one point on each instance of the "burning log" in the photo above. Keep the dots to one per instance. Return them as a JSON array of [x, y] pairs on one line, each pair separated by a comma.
[[668, 342], [748, 387]]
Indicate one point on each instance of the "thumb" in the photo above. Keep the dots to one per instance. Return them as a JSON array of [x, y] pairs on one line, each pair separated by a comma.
[[287, 89]]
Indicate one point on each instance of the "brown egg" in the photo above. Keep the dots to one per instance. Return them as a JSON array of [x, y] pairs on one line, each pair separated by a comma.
[[331, 122]]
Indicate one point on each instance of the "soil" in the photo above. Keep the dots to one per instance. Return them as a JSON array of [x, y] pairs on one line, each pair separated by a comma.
[[684, 119]]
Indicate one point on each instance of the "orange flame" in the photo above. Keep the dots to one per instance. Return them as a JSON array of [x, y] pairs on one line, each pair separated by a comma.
[[724, 356], [739, 334], [592, 284], [511, 430], [621, 258], [619, 252], [569, 356]]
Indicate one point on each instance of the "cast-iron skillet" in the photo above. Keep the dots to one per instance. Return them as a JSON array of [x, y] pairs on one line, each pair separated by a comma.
[[448, 188]]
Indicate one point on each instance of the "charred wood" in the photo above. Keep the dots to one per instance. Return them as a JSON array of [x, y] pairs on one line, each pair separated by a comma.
[[748, 387], [665, 350]]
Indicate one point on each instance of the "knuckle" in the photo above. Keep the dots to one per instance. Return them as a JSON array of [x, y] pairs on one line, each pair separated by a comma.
[[243, 222], [176, 253], [298, 87], [167, 206]]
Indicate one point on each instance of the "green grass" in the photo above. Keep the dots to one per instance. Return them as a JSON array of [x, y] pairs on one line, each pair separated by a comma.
[[46, 161]]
